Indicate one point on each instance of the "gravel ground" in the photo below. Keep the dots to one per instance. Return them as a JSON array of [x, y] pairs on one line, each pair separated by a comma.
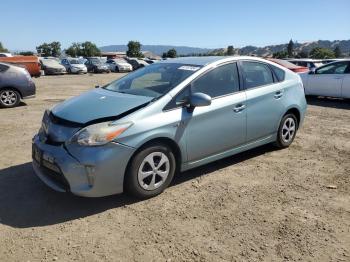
[[261, 205]]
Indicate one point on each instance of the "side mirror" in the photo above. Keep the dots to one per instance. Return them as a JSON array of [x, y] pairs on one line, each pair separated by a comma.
[[312, 71], [199, 99], [97, 86]]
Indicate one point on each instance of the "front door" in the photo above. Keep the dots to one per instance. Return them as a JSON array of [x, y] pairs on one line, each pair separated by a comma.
[[220, 126]]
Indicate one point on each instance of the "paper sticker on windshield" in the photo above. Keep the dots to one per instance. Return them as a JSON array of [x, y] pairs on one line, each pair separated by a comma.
[[189, 68]]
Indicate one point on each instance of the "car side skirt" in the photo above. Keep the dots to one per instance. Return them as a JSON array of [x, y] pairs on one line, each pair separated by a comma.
[[233, 151]]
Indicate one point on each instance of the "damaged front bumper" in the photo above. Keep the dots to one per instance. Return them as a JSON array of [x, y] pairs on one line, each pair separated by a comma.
[[85, 171]]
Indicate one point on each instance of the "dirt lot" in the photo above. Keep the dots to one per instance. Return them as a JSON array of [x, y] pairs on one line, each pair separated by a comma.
[[265, 204]]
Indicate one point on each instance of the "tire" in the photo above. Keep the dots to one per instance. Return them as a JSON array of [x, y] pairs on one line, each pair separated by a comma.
[[287, 131], [69, 71], [9, 98], [116, 69], [143, 181]]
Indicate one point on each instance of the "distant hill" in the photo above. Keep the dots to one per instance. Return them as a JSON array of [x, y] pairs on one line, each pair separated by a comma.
[[344, 46], [247, 50], [158, 49]]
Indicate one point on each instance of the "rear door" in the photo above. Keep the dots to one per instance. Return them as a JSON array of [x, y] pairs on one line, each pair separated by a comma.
[[327, 80], [265, 98]]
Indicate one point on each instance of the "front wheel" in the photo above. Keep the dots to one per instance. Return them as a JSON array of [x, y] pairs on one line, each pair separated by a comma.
[[151, 171], [9, 98], [287, 131]]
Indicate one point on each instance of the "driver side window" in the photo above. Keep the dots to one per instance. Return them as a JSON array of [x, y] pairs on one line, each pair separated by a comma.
[[336, 68]]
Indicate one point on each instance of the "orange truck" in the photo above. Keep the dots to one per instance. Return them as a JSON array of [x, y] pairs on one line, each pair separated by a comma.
[[31, 63]]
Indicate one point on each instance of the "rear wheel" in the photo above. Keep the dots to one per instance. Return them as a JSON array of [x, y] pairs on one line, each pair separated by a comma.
[[9, 98], [151, 171], [287, 131]]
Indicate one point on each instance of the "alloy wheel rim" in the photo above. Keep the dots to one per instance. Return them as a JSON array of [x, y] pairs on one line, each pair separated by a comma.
[[8, 97], [288, 130], [153, 171]]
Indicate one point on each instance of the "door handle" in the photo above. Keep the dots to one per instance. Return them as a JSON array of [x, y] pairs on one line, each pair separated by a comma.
[[278, 94], [239, 108], [338, 77]]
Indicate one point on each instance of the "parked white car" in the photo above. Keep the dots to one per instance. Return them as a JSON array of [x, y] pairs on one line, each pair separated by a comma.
[[74, 66], [6, 55], [332, 80], [119, 65]]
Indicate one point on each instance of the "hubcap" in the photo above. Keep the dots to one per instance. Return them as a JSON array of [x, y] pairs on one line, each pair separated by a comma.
[[153, 171], [8, 97], [288, 130]]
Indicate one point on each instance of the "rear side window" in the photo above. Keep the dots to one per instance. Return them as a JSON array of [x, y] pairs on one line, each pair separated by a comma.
[[220, 81], [256, 74], [279, 73]]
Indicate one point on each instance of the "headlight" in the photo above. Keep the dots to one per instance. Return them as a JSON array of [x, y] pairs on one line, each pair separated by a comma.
[[99, 134]]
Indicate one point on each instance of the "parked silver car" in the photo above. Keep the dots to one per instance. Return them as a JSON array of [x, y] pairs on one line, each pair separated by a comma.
[[74, 66], [52, 66], [15, 84], [119, 65], [136, 132]]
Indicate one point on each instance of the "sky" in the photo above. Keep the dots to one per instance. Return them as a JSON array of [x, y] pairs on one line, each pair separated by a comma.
[[196, 23]]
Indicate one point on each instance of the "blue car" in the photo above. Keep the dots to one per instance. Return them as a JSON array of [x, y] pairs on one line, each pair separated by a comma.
[[135, 133]]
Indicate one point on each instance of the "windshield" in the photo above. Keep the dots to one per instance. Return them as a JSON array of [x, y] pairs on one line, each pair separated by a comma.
[[154, 80], [74, 61], [95, 61], [119, 61]]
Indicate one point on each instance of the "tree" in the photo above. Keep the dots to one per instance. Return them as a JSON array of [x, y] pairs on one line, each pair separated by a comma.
[[55, 49], [302, 54], [280, 54], [44, 49], [74, 50], [321, 53], [89, 49], [51, 49], [337, 52], [230, 50], [290, 48], [3, 49], [164, 55], [172, 53], [134, 49]]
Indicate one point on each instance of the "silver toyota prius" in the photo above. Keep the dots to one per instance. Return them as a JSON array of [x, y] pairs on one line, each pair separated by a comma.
[[135, 133]]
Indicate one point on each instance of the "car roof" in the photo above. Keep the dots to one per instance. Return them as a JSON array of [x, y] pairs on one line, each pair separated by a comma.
[[202, 60]]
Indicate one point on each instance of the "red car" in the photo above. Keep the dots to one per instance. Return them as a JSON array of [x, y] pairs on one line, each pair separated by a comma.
[[289, 65]]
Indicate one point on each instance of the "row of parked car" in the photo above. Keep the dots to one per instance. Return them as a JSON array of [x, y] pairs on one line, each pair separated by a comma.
[[52, 66], [37, 66]]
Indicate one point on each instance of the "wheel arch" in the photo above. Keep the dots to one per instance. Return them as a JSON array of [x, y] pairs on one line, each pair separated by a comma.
[[163, 140], [295, 111], [12, 88]]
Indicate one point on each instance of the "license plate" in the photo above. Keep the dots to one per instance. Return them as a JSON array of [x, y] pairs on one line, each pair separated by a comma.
[[37, 154]]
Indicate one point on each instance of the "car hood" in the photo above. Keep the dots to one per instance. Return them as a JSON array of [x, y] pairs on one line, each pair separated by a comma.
[[98, 105]]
